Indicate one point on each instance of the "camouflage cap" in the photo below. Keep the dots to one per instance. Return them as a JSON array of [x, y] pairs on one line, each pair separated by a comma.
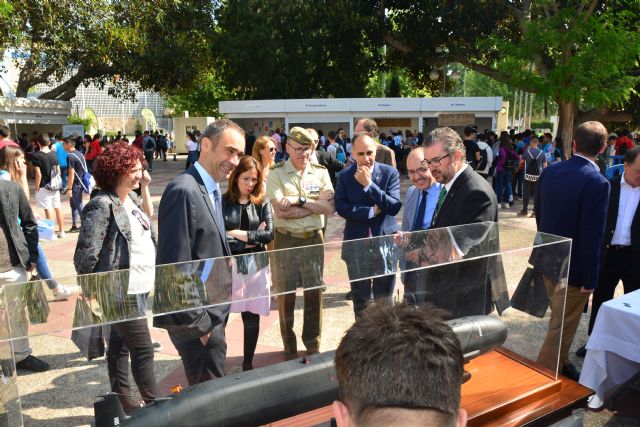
[[300, 135]]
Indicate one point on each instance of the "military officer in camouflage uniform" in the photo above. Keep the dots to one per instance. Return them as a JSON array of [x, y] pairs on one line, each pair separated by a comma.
[[301, 195]]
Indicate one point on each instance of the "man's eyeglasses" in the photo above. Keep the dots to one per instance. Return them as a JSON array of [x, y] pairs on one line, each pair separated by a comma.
[[436, 162], [421, 171], [300, 150]]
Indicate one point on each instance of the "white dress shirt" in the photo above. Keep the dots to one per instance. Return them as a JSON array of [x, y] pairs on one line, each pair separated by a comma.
[[629, 198]]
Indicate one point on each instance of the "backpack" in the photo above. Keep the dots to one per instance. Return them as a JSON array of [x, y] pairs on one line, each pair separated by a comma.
[[149, 145], [511, 164], [87, 181], [55, 181], [486, 156], [532, 173], [340, 154]]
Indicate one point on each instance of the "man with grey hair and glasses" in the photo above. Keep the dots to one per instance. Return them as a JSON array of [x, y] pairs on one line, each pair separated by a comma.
[[464, 198]]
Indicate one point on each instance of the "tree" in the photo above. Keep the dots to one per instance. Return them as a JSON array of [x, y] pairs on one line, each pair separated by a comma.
[[295, 49], [203, 98], [153, 43], [583, 54]]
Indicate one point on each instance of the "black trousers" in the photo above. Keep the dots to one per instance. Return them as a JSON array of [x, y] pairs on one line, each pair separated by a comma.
[[530, 187], [131, 337], [380, 287], [619, 265], [251, 323], [202, 362]]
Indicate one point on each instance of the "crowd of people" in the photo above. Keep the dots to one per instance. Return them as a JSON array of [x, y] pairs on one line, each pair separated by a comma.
[[282, 188]]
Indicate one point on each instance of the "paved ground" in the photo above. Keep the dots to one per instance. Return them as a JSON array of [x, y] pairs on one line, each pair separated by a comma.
[[65, 394]]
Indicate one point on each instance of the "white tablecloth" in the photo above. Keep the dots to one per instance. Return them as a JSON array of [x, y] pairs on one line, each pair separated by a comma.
[[613, 354]]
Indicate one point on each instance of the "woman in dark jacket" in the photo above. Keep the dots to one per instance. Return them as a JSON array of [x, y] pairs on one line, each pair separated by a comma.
[[249, 223], [116, 234]]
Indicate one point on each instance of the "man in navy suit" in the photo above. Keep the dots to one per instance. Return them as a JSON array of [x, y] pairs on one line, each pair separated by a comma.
[[572, 201], [621, 251], [368, 197], [420, 205], [191, 228]]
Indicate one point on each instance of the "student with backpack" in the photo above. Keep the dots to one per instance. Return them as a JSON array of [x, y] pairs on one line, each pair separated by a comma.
[[77, 168], [149, 144], [485, 165], [507, 163], [48, 182], [534, 162]]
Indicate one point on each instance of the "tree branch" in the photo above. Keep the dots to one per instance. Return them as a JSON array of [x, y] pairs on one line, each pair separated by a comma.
[[397, 44], [592, 7], [67, 90], [603, 115]]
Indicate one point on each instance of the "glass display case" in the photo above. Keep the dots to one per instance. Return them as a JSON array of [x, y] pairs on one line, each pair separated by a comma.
[[492, 278]]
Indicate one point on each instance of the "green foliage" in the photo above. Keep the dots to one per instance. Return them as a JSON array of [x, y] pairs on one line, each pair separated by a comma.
[[152, 43], [202, 100], [541, 125], [138, 125], [75, 119], [295, 49], [564, 51]]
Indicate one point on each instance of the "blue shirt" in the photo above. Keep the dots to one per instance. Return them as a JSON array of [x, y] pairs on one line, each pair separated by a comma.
[[432, 200], [62, 155], [211, 185]]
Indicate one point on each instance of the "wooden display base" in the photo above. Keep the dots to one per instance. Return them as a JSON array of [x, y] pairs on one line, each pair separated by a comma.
[[504, 390]]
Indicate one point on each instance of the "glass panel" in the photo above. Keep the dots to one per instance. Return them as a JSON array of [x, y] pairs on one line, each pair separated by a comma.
[[471, 270]]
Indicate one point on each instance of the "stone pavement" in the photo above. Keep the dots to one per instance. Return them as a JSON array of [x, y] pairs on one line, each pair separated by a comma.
[[64, 395]]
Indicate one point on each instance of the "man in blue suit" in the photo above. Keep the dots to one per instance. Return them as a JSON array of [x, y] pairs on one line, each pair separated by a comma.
[[420, 205], [368, 198], [572, 201]]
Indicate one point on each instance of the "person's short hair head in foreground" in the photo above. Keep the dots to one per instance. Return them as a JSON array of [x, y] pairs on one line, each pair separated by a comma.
[[399, 365]]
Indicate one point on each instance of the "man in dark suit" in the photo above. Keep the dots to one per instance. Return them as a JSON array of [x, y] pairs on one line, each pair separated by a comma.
[[368, 198], [572, 201], [465, 198], [384, 154], [191, 228], [621, 251]]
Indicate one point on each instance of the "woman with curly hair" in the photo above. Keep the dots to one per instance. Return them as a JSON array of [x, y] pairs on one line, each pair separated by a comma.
[[116, 234]]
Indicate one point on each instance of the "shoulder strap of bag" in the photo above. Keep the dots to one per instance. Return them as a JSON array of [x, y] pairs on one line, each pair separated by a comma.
[[82, 162]]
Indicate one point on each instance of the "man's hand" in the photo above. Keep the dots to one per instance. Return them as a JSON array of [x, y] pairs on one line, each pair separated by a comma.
[[205, 339], [30, 266], [285, 203], [363, 175], [262, 226], [401, 239], [326, 195], [376, 210]]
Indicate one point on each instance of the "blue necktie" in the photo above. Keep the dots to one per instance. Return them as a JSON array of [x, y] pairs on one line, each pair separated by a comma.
[[218, 209], [422, 207]]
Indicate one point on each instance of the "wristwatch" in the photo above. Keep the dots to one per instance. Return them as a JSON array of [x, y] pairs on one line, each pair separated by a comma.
[[301, 201]]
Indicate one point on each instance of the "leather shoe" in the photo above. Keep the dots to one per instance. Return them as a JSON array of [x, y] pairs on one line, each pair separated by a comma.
[[582, 351], [32, 363], [570, 371]]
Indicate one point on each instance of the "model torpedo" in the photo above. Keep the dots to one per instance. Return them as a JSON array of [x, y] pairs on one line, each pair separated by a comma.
[[275, 392]]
